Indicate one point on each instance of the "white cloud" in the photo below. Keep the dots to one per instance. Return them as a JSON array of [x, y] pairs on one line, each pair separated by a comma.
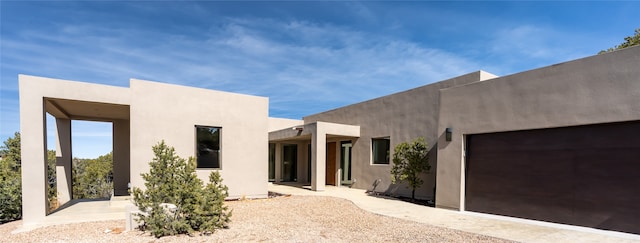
[[304, 67], [528, 46]]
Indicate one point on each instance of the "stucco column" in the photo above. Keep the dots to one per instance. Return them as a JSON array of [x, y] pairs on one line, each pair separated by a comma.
[[318, 159], [121, 157], [34, 155], [278, 162], [63, 160]]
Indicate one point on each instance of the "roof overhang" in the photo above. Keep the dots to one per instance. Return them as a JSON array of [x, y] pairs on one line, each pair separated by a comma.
[[304, 132], [85, 110]]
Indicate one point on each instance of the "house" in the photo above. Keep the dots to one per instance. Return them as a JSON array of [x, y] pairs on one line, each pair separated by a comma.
[[556, 144], [224, 131]]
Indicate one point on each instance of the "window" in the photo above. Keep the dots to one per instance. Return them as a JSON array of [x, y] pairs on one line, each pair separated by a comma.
[[208, 147], [380, 150]]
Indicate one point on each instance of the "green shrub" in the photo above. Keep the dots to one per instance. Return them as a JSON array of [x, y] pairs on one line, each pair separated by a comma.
[[10, 192], [10, 180], [172, 181]]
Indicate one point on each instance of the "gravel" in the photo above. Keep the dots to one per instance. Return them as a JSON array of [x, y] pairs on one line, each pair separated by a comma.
[[280, 219]]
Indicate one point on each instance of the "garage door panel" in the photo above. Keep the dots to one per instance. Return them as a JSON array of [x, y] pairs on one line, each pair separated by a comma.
[[528, 207], [621, 220], [504, 162], [584, 175]]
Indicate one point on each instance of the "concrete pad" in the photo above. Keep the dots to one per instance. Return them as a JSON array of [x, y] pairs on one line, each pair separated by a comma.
[[497, 226], [78, 211]]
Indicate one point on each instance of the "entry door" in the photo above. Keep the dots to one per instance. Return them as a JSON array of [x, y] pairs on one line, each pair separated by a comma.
[[289, 162], [331, 163], [345, 162]]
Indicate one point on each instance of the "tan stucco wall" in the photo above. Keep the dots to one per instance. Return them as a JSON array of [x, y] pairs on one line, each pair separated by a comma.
[[170, 112], [597, 89], [402, 117], [282, 123], [32, 91]]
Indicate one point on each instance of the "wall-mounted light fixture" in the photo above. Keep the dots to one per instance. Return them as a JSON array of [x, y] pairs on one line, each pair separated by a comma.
[[299, 129], [447, 134]]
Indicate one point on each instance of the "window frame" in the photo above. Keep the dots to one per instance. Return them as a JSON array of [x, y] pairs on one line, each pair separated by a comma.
[[219, 151], [373, 154]]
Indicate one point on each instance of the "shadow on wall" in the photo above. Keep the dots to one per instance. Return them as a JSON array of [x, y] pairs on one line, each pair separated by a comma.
[[426, 191]]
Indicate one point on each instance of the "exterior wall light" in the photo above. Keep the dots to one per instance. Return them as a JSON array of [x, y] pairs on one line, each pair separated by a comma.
[[447, 134]]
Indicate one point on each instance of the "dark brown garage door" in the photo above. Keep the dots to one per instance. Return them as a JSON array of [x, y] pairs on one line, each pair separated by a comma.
[[583, 175]]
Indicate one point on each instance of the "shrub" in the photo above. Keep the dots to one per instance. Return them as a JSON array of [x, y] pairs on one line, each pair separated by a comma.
[[172, 181], [10, 192], [409, 161], [10, 180]]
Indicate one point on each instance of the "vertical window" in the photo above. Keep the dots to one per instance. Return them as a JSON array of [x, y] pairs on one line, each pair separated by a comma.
[[208, 147], [380, 150]]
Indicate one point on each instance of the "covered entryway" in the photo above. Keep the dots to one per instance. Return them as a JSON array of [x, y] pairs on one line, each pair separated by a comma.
[[66, 101], [583, 175], [322, 153]]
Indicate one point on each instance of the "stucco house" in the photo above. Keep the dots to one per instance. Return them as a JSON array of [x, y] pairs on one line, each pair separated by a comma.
[[556, 144], [217, 128]]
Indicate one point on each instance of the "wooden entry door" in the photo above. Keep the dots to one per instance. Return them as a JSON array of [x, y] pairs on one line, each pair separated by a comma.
[[331, 164]]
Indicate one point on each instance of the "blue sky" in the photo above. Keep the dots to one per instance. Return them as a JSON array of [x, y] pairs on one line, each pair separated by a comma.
[[307, 57]]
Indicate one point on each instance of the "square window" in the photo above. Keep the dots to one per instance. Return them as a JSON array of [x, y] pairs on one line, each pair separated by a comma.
[[208, 147], [380, 150]]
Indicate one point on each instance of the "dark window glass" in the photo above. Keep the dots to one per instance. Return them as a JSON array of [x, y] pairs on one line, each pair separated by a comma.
[[208, 147], [380, 147]]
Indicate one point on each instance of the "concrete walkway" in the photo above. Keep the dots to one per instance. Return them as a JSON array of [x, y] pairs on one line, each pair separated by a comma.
[[496, 226]]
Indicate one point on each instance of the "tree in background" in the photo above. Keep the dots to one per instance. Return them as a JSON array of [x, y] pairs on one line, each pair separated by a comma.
[[93, 178], [629, 41], [409, 161], [10, 180], [52, 189], [175, 201]]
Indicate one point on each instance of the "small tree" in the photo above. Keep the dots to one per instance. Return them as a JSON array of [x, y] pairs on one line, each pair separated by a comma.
[[172, 181], [409, 161], [214, 213]]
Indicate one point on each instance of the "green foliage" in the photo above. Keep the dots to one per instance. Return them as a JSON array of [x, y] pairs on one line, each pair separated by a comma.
[[11, 150], [172, 180], [10, 180], [629, 41], [409, 161], [92, 178], [52, 189], [214, 214]]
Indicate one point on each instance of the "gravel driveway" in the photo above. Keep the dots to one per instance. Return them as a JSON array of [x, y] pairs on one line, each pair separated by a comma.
[[281, 219]]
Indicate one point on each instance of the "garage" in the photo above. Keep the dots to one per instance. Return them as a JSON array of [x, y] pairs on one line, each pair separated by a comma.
[[583, 175]]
